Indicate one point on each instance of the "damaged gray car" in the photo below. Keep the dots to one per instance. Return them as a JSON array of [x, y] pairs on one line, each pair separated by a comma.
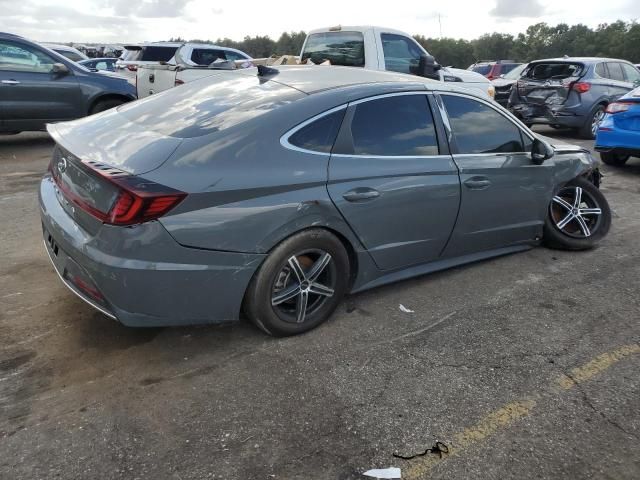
[[571, 92], [277, 192]]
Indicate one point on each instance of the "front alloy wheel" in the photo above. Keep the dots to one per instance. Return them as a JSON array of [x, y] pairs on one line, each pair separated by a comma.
[[579, 216]]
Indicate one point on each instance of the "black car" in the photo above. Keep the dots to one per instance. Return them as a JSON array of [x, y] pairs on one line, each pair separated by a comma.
[[39, 86], [571, 92]]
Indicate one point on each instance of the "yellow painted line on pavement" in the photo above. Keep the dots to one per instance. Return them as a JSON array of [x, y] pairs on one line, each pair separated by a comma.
[[597, 365], [489, 425], [510, 413]]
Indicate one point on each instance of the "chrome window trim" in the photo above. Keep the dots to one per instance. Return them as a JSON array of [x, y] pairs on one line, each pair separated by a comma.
[[347, 155], [508, 116], [284, 139]]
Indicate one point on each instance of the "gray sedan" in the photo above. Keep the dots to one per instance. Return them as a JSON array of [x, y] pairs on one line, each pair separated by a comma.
[[277, 192]]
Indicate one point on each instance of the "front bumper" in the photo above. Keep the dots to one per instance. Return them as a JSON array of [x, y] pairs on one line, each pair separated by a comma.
[[140, 275]]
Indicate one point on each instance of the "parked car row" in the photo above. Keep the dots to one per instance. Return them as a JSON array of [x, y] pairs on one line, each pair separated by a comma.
[[39, 85]]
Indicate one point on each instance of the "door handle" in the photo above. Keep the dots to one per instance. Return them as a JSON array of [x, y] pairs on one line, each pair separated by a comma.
[[477, 183], [10, 82], [361, 194]]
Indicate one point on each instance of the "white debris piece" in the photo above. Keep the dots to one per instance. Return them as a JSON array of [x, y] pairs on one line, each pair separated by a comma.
[[405, 309], [391, 472]]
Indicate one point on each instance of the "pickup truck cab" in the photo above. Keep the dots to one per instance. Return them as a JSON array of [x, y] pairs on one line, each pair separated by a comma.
[[380, 48]]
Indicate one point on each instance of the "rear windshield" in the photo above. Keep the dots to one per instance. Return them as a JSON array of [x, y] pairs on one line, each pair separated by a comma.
[[209, 105], [553, 70], [73, 56], [206, 56], [340, 48], [157, 54], [482, 69]]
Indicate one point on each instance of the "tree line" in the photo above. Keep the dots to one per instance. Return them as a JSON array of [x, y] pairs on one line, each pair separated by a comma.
[[619, 39]]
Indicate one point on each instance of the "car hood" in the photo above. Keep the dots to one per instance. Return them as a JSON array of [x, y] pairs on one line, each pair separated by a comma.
[[466, 76], [109, 138], [502, 82]]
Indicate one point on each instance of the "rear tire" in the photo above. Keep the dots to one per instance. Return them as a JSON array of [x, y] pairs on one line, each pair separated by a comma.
[[578, 217], [613, 158], [103, 105], [299, 285], [590, 127]]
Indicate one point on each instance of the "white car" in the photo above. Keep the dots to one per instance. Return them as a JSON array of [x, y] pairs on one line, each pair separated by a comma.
[[190, 62], [137, 55]]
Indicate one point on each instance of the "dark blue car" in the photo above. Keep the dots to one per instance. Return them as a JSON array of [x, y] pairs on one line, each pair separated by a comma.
[[571, 92], [618, 136], [39, 86]]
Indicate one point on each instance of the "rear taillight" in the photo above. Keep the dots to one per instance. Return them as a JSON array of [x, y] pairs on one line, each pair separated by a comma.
[[138, 200], [132, 68], [617, 107], [178, 82], [581, 87]]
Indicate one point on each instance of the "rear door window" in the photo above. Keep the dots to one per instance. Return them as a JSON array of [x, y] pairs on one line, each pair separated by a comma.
[[319, 135], [615, 71], [157, 53], [394, 126], [601, 70], [340, 48], [478, 128], [401, 54]]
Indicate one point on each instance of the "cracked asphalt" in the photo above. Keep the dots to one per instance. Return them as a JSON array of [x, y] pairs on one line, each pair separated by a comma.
[[525, 366]]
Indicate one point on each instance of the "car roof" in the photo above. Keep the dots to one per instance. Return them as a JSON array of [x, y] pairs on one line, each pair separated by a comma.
[[580, 60], [356, 28], [315, 78], [60, 46]]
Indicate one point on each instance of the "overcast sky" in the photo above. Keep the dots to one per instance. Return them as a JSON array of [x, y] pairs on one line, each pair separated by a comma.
[[138, 20]]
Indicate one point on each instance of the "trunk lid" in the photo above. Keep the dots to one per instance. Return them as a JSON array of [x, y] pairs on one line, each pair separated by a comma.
[[549, 82]]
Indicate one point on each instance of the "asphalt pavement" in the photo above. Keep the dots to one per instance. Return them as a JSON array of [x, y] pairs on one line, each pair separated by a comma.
[[525, 366]]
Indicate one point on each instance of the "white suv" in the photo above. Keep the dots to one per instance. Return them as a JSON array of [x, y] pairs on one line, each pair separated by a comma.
[[144, 54]]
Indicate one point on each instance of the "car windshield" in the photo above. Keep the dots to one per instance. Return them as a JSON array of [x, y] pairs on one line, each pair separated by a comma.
[[340, 48], [482, 69], [515, 73]]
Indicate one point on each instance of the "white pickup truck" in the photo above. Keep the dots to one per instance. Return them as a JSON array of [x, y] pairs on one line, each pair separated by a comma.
[[374, 48]]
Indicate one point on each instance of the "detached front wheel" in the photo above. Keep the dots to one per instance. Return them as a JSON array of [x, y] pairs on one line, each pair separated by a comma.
[[578, 218]]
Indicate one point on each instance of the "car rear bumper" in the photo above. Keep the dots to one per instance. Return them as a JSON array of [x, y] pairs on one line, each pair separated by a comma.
[[140, 275], [546, 115]]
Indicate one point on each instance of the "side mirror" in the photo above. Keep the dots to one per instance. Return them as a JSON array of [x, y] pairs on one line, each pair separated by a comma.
[[59, 69], [540, 151], [428, 67]]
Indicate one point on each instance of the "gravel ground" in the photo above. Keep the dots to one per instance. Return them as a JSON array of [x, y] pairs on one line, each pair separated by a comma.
[[525, 366]]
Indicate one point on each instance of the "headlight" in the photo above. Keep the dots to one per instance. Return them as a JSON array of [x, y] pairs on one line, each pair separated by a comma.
[[491, 91]]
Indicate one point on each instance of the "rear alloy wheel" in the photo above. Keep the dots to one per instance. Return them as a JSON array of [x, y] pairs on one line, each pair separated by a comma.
[[579, 217], [590, 128], [613, 158], [299, 285]]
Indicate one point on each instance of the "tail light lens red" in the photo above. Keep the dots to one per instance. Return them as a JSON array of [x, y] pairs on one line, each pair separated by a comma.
[[138, 200], [617, 107], [178, 82], [581, 87], [132, 68]]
